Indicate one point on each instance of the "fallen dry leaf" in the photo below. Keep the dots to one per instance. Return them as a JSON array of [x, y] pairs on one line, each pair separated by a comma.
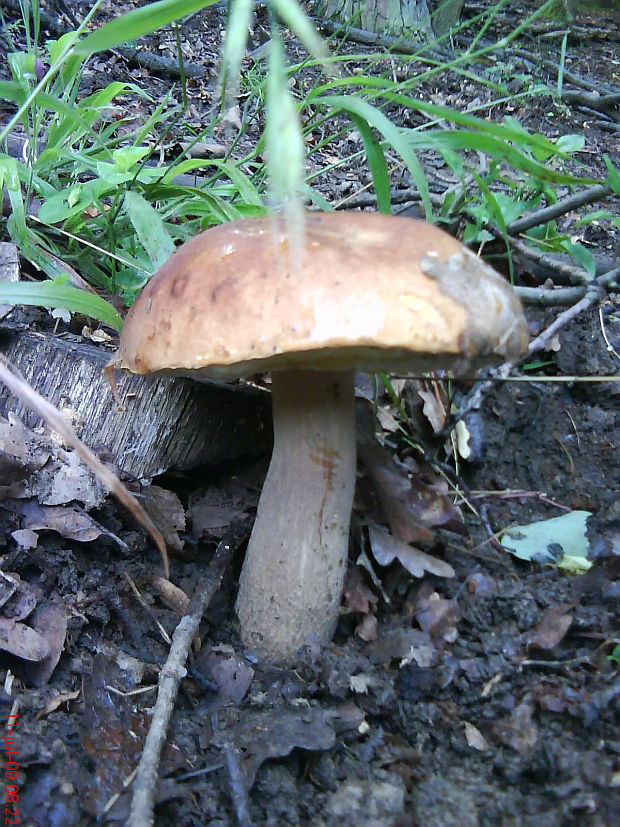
[[553, 625], [230, 672], [413, 500], [8, 586], [53, 703], [211, 514], [358, 597], [54, 419], [263, 735], [50, 621], [433, 410], [360, 684], [64, 479], [404, 644], [475, 738], [25, 538], [366, 629], [386, 549], [67, 521], [438, 617], [167, 512], [21, 451], [22, 641], [19, 598]]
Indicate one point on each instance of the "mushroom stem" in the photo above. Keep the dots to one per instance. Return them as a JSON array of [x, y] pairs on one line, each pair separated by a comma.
[[292, 577]]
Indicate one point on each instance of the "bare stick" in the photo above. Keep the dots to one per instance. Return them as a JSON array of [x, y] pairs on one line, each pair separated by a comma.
[[560, 208], [143, 801], [593, 293], [238, 785]]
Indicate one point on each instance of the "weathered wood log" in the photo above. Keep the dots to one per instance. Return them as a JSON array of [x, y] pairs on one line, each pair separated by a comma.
[[164, 423]]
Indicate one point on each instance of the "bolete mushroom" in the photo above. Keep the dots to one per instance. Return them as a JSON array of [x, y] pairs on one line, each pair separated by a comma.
[[365, 291]]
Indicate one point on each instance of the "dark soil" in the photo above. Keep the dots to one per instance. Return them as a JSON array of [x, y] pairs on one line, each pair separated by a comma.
[[503, 708]]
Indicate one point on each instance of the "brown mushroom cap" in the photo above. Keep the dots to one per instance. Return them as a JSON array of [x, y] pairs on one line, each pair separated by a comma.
[[365, 291]]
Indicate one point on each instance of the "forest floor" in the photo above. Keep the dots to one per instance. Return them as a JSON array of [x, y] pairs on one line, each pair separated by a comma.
[[484, 698]]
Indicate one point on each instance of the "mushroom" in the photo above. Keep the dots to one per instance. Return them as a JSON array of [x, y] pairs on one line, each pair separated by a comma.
[[365, 291]]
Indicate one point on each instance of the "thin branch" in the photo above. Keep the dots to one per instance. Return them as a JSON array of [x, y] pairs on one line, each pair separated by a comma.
[[238, 785], [143, 801], [594, 293], [550, 297], [560, 208]]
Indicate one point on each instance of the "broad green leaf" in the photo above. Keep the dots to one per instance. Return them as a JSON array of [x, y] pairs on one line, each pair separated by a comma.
[[9, 177], [150, 229], [570, 143], [53, 293], [614, 175], [71, 201], [137, 23], [128, 156], [581, 255], [22, 66], [560, 541]]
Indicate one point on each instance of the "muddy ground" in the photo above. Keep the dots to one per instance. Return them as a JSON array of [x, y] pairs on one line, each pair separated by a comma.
[[484, 698]]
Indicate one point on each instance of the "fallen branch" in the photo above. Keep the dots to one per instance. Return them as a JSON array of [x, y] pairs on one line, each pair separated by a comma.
[[402, 45], [143, 800], [560, 208], [550, 296], [594, 292]]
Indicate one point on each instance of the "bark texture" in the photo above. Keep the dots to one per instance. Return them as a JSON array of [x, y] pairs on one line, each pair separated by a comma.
[[399, 18]]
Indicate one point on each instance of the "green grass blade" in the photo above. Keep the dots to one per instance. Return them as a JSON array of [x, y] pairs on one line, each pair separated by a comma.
[[298, 22], [235, 41], [52, 294], [392, 134], [377, 165], [137, 23], [286, 156], [494, 148], [245, 188]]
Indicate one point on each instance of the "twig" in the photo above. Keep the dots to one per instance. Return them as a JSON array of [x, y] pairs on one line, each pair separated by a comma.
[[549, 297], [560, 208], [610, 347], [143, 801], [575, 275], [238, 785], [402, 45], [593, 294]]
